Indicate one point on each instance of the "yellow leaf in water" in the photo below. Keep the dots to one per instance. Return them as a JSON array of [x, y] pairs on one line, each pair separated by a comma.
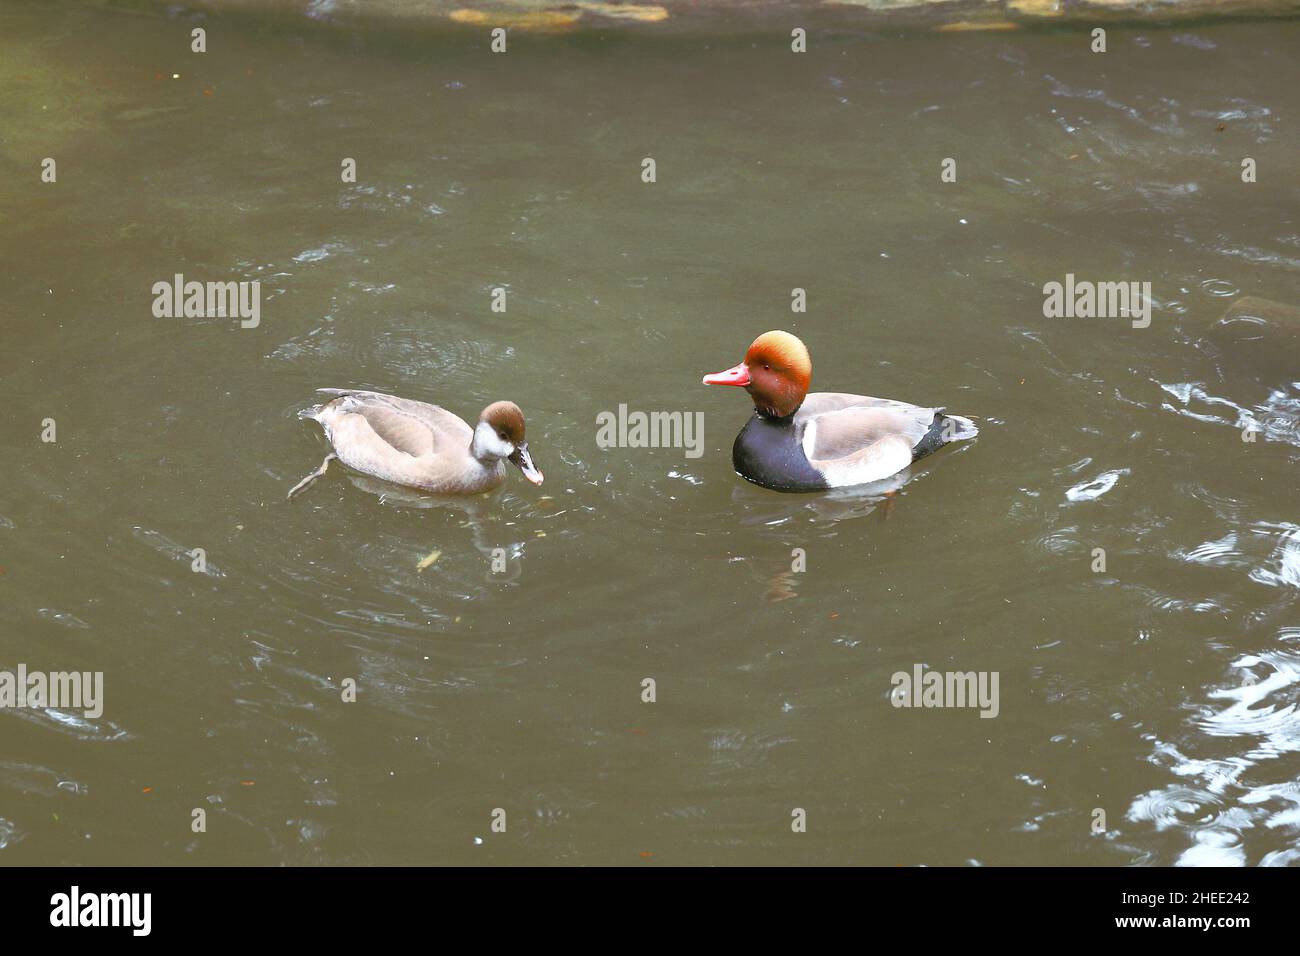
[[428, 559], [525, 20], [961, 26], [645, 14], [1042, 8]]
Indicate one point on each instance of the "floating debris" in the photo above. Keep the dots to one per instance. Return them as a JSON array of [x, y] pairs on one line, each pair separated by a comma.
[[962, 26]]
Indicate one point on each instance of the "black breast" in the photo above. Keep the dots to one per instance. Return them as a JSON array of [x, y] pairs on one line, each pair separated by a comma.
[[767, 452]]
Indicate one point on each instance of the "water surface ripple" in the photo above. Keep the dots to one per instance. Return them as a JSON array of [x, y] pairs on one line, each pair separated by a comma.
[[1160, 688]]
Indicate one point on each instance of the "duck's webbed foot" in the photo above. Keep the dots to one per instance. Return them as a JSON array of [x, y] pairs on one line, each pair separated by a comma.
[[887, 505], [319, 472]]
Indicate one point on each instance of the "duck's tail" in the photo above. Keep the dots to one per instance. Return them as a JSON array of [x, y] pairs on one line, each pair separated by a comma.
[[944, 428], [957, 428], [312, 412]]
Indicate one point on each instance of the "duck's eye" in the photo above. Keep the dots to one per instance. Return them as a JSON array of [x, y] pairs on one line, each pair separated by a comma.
[[768, 367], [501, 435]]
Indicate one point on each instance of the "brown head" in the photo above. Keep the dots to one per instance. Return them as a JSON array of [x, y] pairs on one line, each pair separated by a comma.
[[776, 372], [500, 434]]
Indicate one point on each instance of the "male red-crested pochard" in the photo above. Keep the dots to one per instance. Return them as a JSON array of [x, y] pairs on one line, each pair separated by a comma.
[[802, 442], [420, 445]]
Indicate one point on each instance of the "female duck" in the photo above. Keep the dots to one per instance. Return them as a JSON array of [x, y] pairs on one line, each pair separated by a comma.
[[421, 445], [802, 442]]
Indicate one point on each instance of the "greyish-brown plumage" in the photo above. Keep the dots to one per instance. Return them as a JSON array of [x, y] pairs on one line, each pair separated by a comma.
[[420, 445]]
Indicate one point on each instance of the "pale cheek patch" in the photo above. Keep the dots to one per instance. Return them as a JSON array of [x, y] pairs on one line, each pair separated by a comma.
[[486, 438]]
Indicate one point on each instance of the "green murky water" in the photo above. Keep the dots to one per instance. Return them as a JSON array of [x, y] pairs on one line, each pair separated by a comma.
[[1162, 690]]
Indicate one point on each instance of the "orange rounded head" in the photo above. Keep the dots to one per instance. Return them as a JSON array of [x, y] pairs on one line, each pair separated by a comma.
[[776, 372]]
